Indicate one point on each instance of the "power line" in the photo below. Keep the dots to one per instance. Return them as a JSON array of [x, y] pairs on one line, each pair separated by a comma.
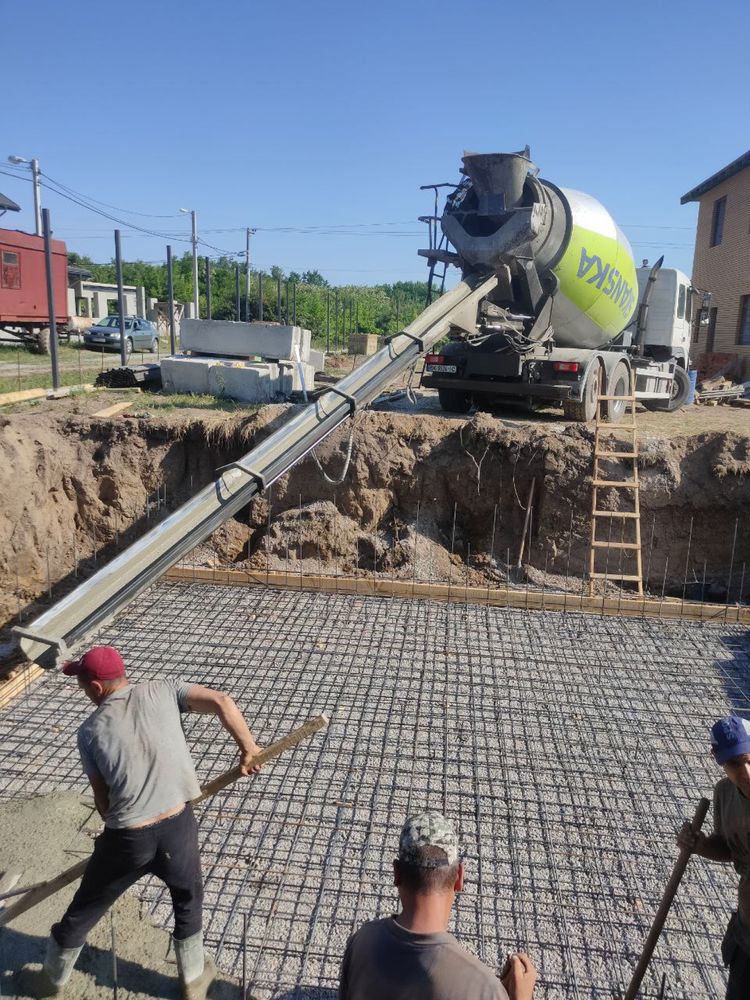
[[116, 208]]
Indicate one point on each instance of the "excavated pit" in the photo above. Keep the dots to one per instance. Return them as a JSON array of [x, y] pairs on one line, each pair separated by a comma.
[[425, 497]]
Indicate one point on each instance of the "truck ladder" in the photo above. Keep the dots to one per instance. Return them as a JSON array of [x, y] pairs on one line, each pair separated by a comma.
[[108, 591], [616, 445]]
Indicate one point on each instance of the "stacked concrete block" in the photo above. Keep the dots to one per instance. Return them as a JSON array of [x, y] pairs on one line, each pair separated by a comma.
[[364, 343], [251, 362]]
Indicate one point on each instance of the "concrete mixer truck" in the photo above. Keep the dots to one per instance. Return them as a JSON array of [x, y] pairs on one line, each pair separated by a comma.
[[571, 316]]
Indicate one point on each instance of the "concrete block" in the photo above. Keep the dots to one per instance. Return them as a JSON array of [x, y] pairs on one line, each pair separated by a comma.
[[317, 359], [364, 343], [243, 340], [245, 382], [290, 378], [182, 374]]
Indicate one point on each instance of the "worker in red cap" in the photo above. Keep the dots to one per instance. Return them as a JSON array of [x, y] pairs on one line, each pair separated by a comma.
[[134, 753], [730, 842]]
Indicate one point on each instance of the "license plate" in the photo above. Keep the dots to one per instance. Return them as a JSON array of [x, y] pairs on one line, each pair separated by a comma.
[[98, 338], [443, 369]]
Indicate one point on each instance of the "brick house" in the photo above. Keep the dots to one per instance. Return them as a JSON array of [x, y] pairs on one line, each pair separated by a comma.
[[721, 264]]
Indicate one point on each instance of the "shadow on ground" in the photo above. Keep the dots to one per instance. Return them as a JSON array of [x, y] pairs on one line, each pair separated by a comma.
[[94, 970]]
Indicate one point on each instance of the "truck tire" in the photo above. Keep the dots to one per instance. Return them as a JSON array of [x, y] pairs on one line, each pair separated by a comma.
[[42, 341], [619, 385], [454, 401], [584, 410], [680, 393]]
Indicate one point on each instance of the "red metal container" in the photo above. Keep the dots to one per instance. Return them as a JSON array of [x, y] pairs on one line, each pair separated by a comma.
[[23, 279]]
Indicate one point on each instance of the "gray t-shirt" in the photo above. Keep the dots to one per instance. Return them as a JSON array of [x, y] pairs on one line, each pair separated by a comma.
[[134, 740], [384, 959], [732, 822]]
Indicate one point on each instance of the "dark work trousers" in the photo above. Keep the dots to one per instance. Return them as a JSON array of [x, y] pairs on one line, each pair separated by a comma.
[[167, 849], [738, 961]]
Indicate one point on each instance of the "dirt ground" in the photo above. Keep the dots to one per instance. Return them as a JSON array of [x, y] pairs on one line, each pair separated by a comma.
[[61, 828], [427, 494]]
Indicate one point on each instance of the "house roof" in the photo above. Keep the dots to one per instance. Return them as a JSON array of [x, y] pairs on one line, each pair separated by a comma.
[[6, 205], [715, 179]]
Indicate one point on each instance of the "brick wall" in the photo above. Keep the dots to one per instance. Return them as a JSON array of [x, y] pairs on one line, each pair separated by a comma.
[[724, 270]]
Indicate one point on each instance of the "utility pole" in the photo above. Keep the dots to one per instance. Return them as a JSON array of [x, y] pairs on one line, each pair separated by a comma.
[[248, 233], [208, 288], [51, 301], [196, 300], [237, 294], [194, 241], [170, 300], [35, 174], [124, 353]]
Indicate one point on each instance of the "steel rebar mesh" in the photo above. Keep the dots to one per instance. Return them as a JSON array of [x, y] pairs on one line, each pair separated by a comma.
[[568, 748]]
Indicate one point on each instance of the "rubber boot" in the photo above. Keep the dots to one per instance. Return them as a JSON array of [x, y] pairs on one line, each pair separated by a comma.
[[196, 970], [50, 980]]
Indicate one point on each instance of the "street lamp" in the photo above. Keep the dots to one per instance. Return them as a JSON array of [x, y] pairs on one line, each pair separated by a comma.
[[34, 164], [191, 212]]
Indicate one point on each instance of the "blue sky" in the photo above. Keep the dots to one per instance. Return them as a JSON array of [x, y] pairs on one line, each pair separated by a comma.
[[331, 114]]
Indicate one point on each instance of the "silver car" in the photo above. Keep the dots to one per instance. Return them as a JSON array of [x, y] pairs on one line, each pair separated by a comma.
[[140, 335]]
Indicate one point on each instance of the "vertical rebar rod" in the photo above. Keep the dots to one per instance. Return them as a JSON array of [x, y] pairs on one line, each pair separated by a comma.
[[113, 939], [687, 565], [244, 956], [731, 561], [650, 548]]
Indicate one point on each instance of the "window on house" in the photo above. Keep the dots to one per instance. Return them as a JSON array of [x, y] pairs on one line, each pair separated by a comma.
[[744, 331], [10, 273], [717, 223], [711, 335]]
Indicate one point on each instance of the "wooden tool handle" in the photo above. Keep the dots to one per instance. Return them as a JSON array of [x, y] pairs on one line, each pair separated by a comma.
[[666, 901], [268, 753], [45, 889]]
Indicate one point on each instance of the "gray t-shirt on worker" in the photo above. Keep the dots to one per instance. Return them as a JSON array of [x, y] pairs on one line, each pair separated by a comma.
[[134, 740], [383, 959], [732, 822]]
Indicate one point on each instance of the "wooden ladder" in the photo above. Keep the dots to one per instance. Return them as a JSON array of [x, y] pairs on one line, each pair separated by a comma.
[[625, 451]]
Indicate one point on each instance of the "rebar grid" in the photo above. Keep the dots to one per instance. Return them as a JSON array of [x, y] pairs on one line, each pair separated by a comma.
[[567, 748]]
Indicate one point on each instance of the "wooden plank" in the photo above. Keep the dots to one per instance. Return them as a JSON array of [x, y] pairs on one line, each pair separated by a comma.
[[629, 484], [603, 544], [26, 394], [19, 684], [111, 411], [616, 513], [624, 606]]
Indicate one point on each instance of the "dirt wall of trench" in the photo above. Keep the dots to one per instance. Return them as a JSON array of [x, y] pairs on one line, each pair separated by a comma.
[[76, 490]]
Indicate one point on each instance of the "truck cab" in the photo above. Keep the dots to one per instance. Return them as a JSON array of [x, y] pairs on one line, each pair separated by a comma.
[[670, 310]]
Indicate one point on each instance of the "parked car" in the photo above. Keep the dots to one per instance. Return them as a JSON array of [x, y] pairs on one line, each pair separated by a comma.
[[140, 335]]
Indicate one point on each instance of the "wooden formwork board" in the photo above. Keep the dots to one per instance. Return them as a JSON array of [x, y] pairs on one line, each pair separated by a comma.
[[531, 600]]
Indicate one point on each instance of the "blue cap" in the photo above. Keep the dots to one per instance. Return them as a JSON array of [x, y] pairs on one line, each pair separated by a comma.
[[730, 738]]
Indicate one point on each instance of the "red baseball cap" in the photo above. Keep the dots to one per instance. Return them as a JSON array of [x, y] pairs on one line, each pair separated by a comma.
[[100, 663]]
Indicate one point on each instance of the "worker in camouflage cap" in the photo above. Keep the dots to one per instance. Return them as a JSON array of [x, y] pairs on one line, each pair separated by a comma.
[[411, 955], [428, 840]]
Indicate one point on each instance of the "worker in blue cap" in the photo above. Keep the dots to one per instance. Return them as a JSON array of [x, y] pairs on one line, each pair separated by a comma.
[[730, 842]]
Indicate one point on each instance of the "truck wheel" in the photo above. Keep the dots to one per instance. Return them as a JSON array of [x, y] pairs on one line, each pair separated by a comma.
[[454, 401], [42, 341], [680, 393], [619, 385], [585, 409]]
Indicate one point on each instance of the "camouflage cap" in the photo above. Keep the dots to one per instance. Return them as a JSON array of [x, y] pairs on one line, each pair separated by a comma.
[[428, 830]]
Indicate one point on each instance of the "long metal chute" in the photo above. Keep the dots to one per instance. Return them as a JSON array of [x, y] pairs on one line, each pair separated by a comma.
[[103, 595]]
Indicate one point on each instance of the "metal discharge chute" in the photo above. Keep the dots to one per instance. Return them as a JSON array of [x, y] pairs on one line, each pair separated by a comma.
[[103, 595]]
